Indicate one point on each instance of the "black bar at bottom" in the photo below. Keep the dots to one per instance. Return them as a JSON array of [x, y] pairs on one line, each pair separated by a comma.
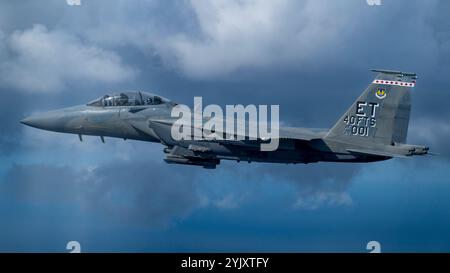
[[223, 262]]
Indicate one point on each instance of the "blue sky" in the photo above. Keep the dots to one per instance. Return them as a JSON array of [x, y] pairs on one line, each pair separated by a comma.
[[310, 57]]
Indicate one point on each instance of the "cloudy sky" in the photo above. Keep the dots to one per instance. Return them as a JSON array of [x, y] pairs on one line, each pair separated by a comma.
[[311, 57]]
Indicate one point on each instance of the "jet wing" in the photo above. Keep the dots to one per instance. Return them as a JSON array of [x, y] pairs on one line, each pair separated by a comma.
[[376, 153], [162, 128]]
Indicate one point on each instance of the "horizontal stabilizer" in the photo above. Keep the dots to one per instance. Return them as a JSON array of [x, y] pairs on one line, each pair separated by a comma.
[[394, 72]]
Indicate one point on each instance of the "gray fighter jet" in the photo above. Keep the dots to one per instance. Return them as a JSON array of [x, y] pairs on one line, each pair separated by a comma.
[[374, 128]]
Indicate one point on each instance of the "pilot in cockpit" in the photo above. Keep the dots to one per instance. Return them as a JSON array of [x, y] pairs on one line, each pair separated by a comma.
[[128, 99]]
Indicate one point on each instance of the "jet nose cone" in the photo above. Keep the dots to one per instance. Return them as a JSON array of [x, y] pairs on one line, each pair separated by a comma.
[[25, 121], [51, 121], [31, 121]]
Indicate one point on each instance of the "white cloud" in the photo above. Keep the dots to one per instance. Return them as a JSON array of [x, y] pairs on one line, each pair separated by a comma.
[[207, 39], [46, 61], [204, 39], [237, 34], [234, 35]]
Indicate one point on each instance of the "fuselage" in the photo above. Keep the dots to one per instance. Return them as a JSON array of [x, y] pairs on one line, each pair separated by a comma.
[[373, 129], [132, 122]]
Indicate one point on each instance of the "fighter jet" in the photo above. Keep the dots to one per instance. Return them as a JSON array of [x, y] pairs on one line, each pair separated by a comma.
[[374, 128]]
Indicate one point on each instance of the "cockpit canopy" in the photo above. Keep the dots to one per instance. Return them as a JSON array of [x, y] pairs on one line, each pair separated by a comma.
[[129, 98]]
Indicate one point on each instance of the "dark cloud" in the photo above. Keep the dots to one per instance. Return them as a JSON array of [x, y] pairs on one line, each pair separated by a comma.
[[316, 184], [155, 194], [139, 193], [434, 133], [357, 37], [127, 193], [40, 183]]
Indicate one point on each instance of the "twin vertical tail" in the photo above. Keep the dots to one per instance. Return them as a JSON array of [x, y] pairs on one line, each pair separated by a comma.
[[381, 113]]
